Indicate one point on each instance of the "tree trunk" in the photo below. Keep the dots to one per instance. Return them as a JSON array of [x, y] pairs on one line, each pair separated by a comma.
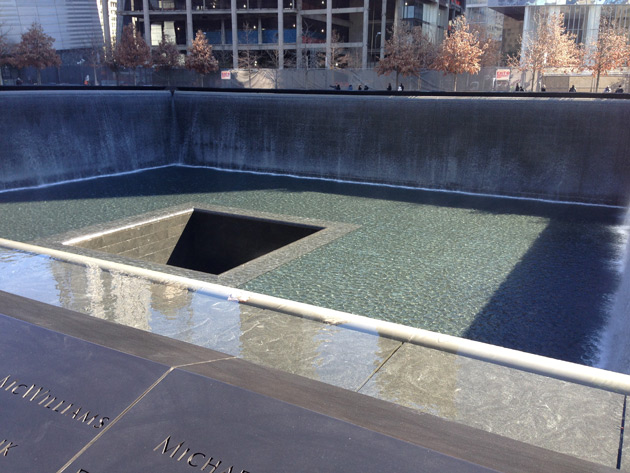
[[135, 76], [455, 84], [39, 77], [597, 82], [534, 74]]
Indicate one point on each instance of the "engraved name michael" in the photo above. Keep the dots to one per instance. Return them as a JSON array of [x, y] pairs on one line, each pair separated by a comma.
[[42, 397], [194, 459]]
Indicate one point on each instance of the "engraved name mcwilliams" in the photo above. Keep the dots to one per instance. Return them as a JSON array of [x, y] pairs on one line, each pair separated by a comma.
[[192, 458], [42, 397], [5, 446]]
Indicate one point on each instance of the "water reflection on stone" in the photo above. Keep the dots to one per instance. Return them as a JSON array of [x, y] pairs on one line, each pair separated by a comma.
[[332, 354]]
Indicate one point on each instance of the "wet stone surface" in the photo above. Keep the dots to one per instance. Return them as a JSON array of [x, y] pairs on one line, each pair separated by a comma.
[[560, 416]]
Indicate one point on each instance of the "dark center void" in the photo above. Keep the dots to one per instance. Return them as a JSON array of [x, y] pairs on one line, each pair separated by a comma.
[[215, 243], [200, 240]]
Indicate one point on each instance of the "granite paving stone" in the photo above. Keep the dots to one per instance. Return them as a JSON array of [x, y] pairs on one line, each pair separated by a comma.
[[553, 414], [624, 463], [334, 355]]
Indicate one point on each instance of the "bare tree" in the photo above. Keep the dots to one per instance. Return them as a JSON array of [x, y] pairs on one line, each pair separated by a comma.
[[354, 58], [549, 45], [312, 57], [609, 52], [460, 51], [247, 57], [95, 55], [273, 57], [339, 57], [36, 50], [200, 58], [6, 50], [166, 57], [132, 51], [407, 51], [111, 61]]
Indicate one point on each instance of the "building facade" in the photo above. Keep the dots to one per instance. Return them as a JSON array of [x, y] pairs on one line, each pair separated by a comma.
[[288, 33], [74, 24], [581, 17]]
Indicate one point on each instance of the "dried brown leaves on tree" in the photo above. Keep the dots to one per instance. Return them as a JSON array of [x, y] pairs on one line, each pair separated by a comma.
[[610, 51], [36, 50], [200, 58], [461, 50], [549, 45], [491, 47], [166, 55], [131, 51], [407, 51]]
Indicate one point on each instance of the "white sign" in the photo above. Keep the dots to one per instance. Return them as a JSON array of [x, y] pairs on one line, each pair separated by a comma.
[[226, 75], [503, 74]]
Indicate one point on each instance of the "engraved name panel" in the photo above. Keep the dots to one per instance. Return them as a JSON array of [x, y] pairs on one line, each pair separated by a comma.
[[191, 423], [57, 393]]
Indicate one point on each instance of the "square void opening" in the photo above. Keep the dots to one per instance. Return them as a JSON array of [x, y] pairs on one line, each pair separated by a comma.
[[200, 240]]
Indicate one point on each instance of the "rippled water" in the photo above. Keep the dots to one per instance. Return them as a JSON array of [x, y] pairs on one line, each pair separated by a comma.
[[527, 275]]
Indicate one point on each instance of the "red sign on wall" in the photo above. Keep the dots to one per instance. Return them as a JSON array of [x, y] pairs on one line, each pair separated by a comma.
[[226, 75], [503, 74]]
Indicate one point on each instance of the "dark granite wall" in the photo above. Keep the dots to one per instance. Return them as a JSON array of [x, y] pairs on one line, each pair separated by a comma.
[[556, 148], [50, 136], [575, 149]]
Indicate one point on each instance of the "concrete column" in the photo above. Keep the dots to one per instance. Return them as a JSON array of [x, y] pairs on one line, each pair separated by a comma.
[[260, 38], [147, 21], [592, 25], [119, 22], [328, 33], [398, 13], [527, 28], [383, 27], [222, 31], [190, 34], [298, 34], [234, 36], [107, 37], [280, 34], [366, 18]]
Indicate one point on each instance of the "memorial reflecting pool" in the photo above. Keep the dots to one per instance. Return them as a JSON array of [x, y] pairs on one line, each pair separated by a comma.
[[533, 276]]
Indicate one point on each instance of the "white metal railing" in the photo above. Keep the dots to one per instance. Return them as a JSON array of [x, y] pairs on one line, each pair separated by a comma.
[[572, 372]]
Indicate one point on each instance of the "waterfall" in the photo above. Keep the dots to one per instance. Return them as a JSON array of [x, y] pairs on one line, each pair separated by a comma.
[[615, 336], [51, 136]]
